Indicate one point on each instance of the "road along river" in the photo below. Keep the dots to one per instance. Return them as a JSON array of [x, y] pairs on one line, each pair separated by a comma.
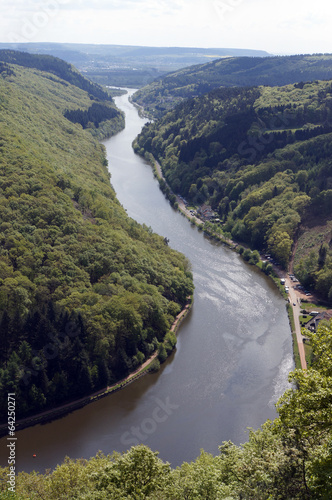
[[233, 355]]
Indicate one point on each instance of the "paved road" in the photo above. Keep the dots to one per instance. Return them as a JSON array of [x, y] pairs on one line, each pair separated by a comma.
[[187, 212], [294, 298]]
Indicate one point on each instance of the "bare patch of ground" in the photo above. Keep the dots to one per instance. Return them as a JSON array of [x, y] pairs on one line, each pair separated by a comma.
[[313, 232]]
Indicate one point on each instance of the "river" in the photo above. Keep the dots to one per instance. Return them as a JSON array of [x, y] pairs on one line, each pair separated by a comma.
[[232, 359]]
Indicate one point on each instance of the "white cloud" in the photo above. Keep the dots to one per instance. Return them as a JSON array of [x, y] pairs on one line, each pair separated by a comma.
[[281, 27]]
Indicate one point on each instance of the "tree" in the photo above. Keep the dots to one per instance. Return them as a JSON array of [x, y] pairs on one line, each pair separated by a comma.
[[267, 267], [265, 467], [323, 251], [199, 480], [279, 245], [136, 474], [305, 411], [4, 337], [324, 281], [255, 257], [302, 178], [162, 355], [63, 237]]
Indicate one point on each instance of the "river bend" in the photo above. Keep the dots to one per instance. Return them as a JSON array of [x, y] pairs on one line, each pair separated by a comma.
[[232, 359]]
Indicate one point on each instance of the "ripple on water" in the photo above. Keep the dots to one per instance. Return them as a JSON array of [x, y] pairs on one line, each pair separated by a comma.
[[281, 383]]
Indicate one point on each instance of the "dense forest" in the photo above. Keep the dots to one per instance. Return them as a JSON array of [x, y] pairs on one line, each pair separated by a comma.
[[287, 459], [97, 114], [86, 293], [167, 91], [53, 65], [261, 157]]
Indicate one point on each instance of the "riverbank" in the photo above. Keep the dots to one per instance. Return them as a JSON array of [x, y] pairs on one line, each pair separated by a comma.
[[141, 111], [60, 411], [220, 367], [292, 304], [179, 204]]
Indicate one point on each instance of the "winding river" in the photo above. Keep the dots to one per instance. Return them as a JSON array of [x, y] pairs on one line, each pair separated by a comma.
[[233, 355]]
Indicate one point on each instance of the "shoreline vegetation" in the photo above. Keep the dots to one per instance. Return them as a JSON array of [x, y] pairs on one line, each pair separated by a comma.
[[289, 457], [140, 109], [301, 356], [149, 366], [87, 293]]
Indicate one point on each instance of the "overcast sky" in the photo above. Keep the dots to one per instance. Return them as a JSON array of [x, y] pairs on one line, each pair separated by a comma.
[[277, 26]]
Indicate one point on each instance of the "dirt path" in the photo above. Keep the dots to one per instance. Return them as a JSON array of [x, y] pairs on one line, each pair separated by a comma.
[[51, 414], [159, 171]]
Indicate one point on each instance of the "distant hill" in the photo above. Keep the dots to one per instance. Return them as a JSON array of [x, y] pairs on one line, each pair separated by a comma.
[[128, 65], [261, 157], [163, 94], [56, 66]]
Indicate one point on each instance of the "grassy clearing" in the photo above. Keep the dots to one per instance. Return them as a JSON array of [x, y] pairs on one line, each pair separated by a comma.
[[291, 317], [311, 239], [310, 306], [308, 354], [304, 319], [296, 353]]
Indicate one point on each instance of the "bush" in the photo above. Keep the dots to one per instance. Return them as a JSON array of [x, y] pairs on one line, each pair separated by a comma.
[[255, 257], [155, 366], [267, 268], [162, 356], [170, 342], [246, 254]]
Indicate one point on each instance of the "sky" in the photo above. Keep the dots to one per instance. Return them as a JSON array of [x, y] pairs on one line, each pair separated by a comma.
[[277, 26]]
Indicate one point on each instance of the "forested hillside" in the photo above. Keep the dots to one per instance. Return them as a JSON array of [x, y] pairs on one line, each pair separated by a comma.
[[166, 92], [261, 157], [86, 294], [57, 67], [288, 459], [127, 65]]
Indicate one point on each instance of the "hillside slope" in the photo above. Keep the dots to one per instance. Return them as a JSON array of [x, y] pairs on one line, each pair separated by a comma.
[[261, 157], [57, 67], [86, 294], [128, 65], [163, 94]]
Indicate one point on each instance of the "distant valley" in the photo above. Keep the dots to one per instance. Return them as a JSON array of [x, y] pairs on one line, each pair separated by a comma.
[[260, 156], [128, 66], [166, 92], [250, 138]]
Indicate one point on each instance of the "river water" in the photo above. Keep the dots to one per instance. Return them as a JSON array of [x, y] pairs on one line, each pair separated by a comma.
[[232, 359]]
